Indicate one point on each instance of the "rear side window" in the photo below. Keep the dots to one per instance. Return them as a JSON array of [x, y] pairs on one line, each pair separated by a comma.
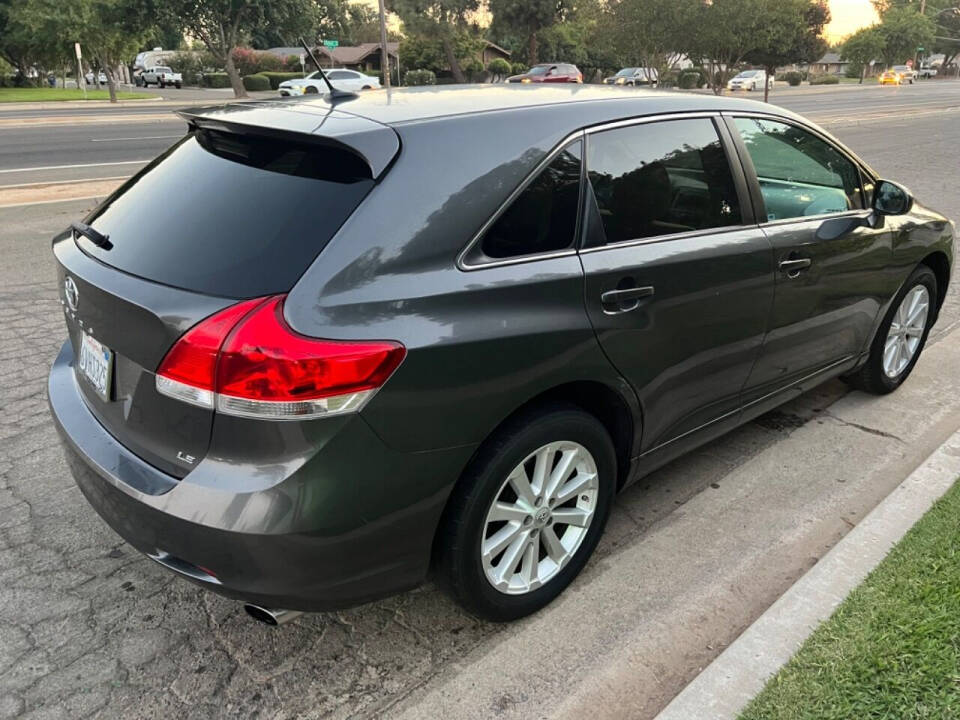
[[230, 215], [799, 173], [543, 218], [661, 178]]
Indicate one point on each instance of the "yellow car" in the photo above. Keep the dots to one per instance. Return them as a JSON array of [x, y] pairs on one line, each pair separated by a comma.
[[890, 77]]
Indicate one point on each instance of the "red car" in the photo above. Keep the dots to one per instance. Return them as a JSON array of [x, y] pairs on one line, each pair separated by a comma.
[[549, 73]]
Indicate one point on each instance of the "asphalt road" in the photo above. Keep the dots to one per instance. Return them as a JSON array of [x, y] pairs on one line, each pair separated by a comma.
[[692, 555], [32, 151]]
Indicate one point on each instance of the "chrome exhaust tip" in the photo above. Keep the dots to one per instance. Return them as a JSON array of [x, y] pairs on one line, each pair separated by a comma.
[[271, 616]]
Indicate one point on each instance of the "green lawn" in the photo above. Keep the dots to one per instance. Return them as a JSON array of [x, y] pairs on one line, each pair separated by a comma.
[[54, 94], [892, 649]]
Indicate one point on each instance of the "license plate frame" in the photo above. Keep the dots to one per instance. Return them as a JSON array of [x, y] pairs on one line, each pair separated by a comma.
[[95, 365]]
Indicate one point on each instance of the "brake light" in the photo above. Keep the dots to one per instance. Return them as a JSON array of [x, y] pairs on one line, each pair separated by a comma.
[[247, 361]]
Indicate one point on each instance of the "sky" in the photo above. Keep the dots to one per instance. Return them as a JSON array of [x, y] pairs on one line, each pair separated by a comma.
[[848, 16]]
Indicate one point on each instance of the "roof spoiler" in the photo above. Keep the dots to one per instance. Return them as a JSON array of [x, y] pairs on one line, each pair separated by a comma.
[[374, 143]]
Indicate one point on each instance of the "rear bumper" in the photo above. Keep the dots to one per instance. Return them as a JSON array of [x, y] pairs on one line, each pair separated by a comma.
[[353, 523]]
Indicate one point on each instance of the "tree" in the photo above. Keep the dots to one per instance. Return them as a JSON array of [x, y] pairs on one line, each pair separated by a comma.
[[440, 19], [794, 34], [112, 32], [726, 30], [903, 30], [529, 17], [223, 25], [647, 33], [862, 48]]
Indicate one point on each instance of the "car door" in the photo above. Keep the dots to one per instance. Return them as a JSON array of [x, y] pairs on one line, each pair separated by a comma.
[[678, 277], [830, 265]]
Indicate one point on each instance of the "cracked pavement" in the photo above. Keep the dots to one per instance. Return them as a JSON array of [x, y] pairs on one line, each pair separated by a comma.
[[88, 627]]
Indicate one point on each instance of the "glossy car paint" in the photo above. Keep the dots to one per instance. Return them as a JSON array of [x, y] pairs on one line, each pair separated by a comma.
[[327, 513]]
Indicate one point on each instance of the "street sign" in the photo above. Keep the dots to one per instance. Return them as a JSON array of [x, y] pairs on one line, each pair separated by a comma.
[[331, 43], [76, 49], [919, 49], [302, 58]]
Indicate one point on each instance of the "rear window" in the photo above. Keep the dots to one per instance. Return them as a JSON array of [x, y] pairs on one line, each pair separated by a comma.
[[230, 215]]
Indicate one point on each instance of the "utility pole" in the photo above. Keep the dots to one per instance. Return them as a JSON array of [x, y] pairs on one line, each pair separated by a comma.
[[384, 55]]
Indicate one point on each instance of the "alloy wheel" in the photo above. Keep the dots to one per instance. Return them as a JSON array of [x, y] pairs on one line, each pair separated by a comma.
[[906, 331], [539, 517]]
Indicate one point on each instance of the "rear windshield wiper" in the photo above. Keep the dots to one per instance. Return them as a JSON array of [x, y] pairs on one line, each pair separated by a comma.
[[94, 236]]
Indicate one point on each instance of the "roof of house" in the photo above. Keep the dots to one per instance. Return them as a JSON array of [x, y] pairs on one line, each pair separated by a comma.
[[830, 58], [353, 54]]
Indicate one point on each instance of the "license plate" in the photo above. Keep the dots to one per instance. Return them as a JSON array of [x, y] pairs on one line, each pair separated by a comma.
[[96, 365]]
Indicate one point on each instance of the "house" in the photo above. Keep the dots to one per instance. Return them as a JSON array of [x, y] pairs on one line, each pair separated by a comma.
[[492, 51], [830, 64], [364, 57]]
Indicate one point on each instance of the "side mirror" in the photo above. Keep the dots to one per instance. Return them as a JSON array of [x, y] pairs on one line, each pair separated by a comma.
[[890, 198]]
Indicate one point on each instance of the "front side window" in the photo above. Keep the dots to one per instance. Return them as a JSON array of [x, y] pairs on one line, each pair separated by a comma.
[[800, 174], [542, 218], [661, 178]]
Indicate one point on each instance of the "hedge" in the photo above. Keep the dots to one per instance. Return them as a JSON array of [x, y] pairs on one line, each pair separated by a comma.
[[275, 78], [499, 66], [256, 82], [792, 77], [824, 80], [689, 79], [419, 77], [216, 80]]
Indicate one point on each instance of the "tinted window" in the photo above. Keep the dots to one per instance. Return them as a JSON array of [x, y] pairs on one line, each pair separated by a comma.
[[799, 174], [230, 215], [339, 75], [543, 217], [661, 178]]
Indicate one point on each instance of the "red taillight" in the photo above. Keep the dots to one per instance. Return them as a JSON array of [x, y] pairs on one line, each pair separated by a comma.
[[249, 362]]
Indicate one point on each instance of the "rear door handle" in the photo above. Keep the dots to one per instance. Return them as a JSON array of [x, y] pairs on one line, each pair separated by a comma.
[[793, 267], [624, 299]]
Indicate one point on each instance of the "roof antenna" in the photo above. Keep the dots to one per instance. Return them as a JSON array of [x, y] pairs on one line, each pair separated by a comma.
[[335, 94]]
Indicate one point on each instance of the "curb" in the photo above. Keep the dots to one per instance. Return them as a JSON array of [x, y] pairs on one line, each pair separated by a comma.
[[738, 674]]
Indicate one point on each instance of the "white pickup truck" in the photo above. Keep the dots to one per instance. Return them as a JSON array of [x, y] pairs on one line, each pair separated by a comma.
[[161, 76]]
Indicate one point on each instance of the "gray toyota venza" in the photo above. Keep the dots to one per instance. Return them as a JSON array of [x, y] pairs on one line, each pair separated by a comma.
[[321, 347]]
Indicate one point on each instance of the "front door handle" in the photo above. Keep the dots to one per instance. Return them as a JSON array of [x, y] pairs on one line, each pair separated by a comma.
[[624, 299], [793, 266]]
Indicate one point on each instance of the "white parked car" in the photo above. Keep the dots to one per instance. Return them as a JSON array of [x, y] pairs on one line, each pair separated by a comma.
[[342, 79], [161, 76], [101, 78], [750, 80]]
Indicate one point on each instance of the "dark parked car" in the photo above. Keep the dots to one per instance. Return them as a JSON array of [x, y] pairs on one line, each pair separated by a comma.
[[549, 73], [453, 355]]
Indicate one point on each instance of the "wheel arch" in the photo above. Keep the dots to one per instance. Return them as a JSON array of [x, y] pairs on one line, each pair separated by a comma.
[[940, 264]]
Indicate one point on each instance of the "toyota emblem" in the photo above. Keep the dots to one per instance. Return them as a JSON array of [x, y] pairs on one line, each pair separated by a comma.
[[71, 293]]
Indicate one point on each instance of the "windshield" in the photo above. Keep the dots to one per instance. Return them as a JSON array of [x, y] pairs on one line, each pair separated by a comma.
[[748, 73], [626, 72], [900, 68], [163, 69]]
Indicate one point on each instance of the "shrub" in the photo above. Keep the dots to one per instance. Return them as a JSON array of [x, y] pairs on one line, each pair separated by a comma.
[[256, 82], [250, 61], [793, 78], [854, 70], [518, 68], [275, 78], [419, 77], [499, 67], [473, 69], [824, 80], [689, 79], [216, 80]]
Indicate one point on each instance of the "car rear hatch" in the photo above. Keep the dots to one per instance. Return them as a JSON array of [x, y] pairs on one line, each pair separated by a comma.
[[238, 209]]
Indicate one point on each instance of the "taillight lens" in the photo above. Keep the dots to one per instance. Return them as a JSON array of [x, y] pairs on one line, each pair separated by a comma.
[[253, 364]]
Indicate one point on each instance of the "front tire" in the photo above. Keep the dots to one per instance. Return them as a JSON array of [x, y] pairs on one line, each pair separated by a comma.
[[528, 512], [901, 336]]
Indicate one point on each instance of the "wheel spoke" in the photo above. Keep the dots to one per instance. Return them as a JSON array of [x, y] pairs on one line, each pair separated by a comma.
[[573, 486], [499, 540], [521, 485], [528, 566], [561, 472], [507, 511], [916, 313], [578, 517], [511, 557], [540, 469], [551, 543]]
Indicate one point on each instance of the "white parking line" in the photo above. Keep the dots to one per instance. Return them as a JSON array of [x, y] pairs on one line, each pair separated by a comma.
[[68, 167]]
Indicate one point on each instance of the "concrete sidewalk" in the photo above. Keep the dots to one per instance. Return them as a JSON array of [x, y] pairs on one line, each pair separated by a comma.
[[649, 615]]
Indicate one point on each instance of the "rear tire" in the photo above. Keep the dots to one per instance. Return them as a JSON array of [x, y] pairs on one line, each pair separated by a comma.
[[885, 370], [575, 452]]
